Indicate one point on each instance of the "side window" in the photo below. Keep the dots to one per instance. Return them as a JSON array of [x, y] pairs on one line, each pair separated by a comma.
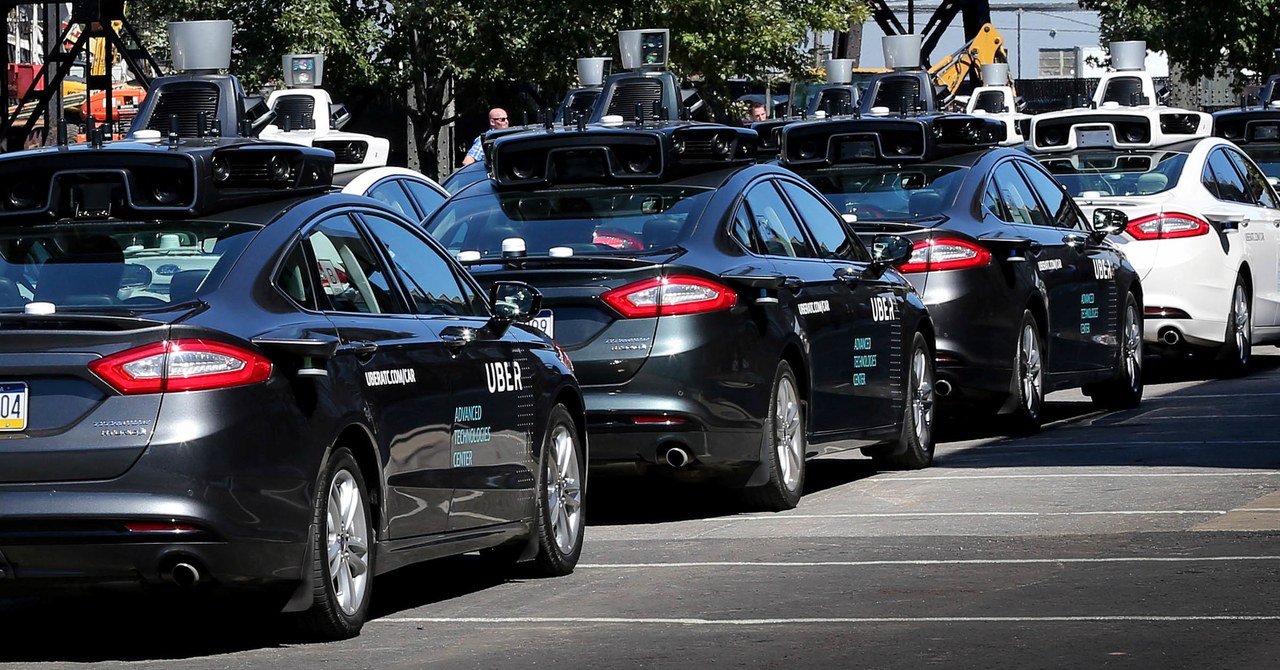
[[991, 202], [295, 281], [1018, 199], [740, 229], [389, 193], [1259, 188], [1061, 210], [350, 274], [432, 285], [428, 199], [779, 232], [828, 230], [1231, 186]]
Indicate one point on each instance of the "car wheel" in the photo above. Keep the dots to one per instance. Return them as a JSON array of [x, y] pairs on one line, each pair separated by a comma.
[[342, 548], [1028, 378], [784, 446], [1238, 346], [560, 519], [1125, 390], [915, 446]]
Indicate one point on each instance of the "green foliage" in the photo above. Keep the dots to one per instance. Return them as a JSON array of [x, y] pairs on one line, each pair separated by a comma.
[[1221, 37]]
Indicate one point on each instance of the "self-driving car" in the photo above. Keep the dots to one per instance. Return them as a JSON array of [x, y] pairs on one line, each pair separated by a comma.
[[1203, 222], [719, 317], [1256, 129], [1026, 294], [217, 374]]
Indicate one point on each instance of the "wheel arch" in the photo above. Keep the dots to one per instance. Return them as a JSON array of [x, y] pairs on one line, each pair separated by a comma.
[[793, 356], [360, 442]]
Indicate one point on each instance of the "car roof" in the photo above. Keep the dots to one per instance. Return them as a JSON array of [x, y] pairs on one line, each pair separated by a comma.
[[359, 181]]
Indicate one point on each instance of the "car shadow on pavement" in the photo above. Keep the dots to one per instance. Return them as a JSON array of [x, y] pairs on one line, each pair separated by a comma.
[[130, 626], [1193, 424]]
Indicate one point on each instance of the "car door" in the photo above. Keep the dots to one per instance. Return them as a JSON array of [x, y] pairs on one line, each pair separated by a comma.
[[824, 310], [1060, 262], [867, 341], [1097, 291], [402, 370], [1262, 236], [491, 414]]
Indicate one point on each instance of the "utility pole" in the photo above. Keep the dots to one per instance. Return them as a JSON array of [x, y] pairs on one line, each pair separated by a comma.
[[1019, 43]]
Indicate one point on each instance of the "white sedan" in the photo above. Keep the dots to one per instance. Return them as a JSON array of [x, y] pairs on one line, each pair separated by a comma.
[[409, 192], [1203, 234]]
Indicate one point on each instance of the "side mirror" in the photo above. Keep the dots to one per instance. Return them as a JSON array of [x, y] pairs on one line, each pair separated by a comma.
[[514, 301], [889, 250], [135, 276], [1108, 221], [1274, 181]]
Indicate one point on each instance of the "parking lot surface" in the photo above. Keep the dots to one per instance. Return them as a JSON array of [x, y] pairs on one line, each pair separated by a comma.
[[1144, 538]]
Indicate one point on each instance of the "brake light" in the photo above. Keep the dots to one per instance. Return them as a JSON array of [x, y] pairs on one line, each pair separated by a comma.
[[669, 296], [1166, 225], [945, 253], [181, 365]]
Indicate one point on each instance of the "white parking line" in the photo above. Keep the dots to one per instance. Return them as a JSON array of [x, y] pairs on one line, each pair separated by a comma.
[[895, 515], [1072, 475], [824, 620], [940, 561]]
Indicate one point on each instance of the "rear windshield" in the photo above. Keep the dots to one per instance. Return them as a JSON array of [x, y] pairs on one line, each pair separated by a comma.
[[1267, 156], [620, 220], [128, 265], [1113, 173], [889, 193]]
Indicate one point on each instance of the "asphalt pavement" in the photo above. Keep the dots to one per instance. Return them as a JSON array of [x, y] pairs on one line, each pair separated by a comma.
[[1147, 538]]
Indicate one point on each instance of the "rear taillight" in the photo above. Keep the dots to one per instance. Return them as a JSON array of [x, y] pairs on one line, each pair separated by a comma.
[[945, 253], [181, 365], [669, 296], [1166, 225]]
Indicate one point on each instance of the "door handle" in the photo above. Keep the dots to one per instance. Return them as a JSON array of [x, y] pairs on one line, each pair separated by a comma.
[[1076, 242], [362, 348], [455, 337], [792, 282]]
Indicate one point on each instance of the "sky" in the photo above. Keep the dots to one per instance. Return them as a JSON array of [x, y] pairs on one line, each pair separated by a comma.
[[1061, 28]]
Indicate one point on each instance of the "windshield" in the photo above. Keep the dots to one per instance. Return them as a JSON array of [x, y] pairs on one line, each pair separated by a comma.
[[1267, 156], [889, 193], [1113, 173], [599, 220], [131, 265]]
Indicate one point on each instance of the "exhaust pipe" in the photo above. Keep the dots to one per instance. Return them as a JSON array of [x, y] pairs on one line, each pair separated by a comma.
[[185, 575], [942, 388], [677, 457], [1170, 335]]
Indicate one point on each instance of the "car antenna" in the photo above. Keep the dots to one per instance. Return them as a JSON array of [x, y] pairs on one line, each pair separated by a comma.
[[548, 119], [173, 131], [62, 131], [659, 113]]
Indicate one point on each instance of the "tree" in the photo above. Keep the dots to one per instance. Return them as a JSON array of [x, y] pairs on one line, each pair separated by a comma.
[[1225, 36], [436, 56]]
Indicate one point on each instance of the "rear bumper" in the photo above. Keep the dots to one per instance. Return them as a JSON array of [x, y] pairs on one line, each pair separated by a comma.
[[242, 496], [617, 436]]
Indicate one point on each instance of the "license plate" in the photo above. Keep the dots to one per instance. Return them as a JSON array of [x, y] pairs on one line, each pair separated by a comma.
[[545, 321], [1093, 138], [13, 406]]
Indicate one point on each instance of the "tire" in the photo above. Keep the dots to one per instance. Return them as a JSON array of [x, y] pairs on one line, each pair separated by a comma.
[[1237, 348], [344, 583], [784, 445], [1125, 390], [915, 446], [560, 512], [1028, 378]]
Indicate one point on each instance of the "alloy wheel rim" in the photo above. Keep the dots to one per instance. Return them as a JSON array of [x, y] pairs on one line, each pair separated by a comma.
[[922, 399], [1132, 347], [1030, 368], [564, 490], [786, 429], [348, 542], [1240, 323]]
